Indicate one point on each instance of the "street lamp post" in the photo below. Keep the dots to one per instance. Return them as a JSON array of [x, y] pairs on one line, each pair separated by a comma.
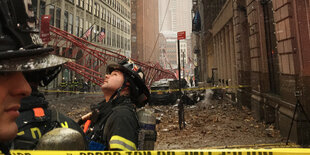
[[183, 64], [181, 35]]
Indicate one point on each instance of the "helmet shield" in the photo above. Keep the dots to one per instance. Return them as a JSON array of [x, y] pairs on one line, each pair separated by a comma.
[[20, 45]]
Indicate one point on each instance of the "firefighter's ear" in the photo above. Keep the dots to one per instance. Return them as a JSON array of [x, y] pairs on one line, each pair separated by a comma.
[[127, 84]]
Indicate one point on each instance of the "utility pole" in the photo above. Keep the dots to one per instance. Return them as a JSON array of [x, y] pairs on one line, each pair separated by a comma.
[[181, 35], [183, 64]]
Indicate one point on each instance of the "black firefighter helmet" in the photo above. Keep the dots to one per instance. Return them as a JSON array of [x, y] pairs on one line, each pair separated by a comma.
[[20, 46], [134, 75]]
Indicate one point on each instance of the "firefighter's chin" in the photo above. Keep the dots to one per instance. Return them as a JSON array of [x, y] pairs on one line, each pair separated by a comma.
[[8, 132]]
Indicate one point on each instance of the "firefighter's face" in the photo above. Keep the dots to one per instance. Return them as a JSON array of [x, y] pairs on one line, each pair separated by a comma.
[[112, 81], [13, 87]]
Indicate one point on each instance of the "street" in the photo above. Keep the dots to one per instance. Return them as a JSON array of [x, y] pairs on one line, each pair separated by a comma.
[[209, 123]]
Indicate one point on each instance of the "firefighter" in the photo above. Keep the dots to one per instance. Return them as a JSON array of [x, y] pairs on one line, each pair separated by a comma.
[[20, 51], [114, 124], [75, 84], [63, 84], [36, 118]]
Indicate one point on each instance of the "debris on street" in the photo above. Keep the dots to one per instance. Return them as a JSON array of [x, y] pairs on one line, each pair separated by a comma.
[[209, 123]]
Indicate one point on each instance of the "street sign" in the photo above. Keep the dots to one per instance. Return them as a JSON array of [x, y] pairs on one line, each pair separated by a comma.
[[181, 35]]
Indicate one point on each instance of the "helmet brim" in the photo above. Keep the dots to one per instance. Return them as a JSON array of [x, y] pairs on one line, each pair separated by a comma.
[[24, 52], [32, 62]]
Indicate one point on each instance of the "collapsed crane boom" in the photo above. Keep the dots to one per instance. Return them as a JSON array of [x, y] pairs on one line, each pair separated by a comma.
[[91, 59]]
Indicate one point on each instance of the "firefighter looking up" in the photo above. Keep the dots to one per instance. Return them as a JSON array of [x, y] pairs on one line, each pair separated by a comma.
[[20, 51], [36, 118], [114, 123]]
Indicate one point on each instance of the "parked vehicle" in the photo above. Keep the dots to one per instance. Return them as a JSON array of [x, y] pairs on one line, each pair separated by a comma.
[[160, 94]]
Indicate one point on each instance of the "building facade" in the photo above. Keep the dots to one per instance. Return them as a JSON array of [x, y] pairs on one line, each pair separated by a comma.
[[145, 31], [261, 45], [174, 15], [77, 16]]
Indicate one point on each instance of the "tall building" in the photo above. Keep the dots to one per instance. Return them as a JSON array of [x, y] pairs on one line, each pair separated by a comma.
[[171, 53], [175, 15], [144, 30]]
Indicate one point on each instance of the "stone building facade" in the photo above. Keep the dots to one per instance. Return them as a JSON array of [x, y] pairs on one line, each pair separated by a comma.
[[261, 45], [77, 16]]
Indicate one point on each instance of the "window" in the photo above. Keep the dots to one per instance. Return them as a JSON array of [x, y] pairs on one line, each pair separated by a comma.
[[90, 6], [125, 27], [70, 28], [117, 20], [96, 33], [109, 37], [86, 27], [128, 45], [122, 9], [113, 39], [101, 13], [118, 41], [66, 21], [125, 44], [82, 4], [42, 8], [103, 41], [128, 28], [117, 6], [87, 5], [108, 18], [91, 34], [95, 9], [98, 10], [113, 20], [81, 26], [119, 23], [122, 25], [52, 12], [104, 14], [122, 42], [58, 16], [77, 26]]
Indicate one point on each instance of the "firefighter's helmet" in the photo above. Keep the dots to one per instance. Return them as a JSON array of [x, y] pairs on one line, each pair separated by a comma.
[[62, 139], [20, 45], [135, 76]]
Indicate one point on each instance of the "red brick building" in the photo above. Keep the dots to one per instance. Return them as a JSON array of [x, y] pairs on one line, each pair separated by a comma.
[[263, 45]]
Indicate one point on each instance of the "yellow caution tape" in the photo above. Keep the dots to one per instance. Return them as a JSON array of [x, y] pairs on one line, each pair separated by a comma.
[[255, 146], [274, 151], [152, 91], [201, 88]]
